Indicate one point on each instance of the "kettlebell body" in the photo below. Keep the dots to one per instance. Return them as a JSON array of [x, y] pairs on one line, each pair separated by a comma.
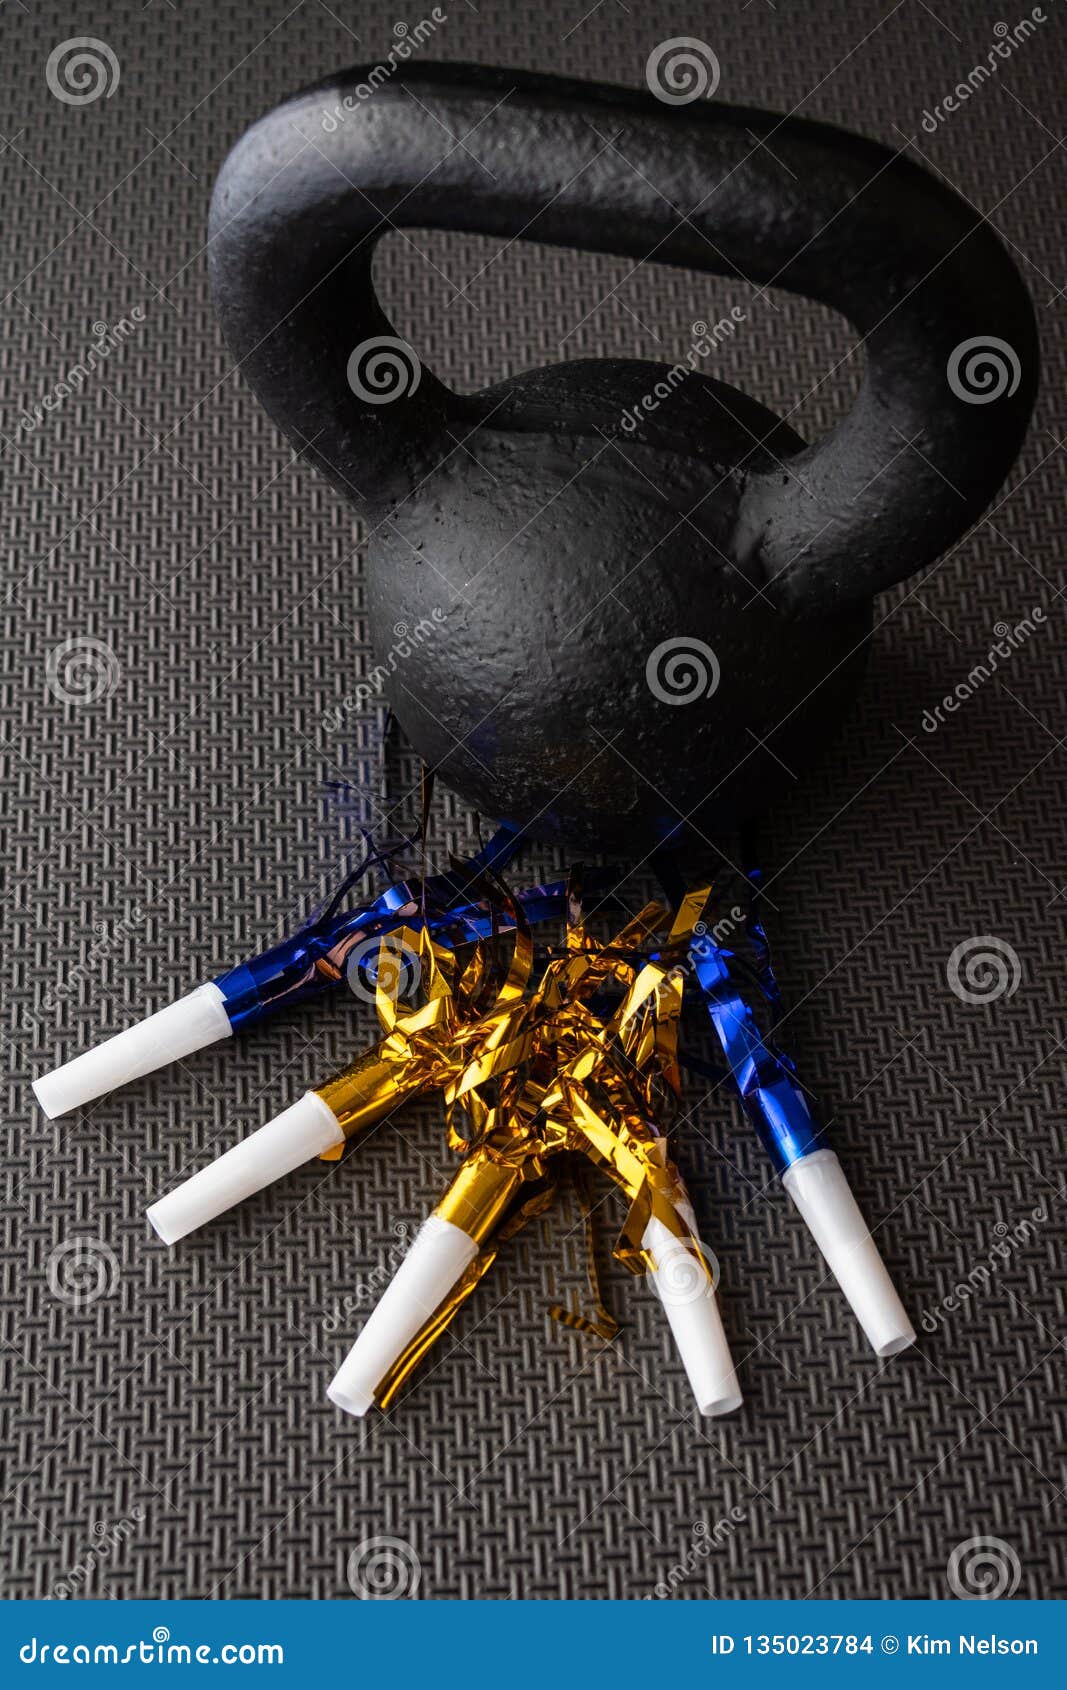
[[605, 668], [646, 616]]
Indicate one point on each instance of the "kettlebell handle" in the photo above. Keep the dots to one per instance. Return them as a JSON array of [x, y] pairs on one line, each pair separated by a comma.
[[947, 324]]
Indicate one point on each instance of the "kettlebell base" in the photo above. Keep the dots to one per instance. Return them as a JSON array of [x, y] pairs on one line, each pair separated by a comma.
[[620, 793]]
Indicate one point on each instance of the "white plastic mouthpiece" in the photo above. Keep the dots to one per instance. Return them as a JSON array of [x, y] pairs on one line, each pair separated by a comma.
[[304, 1130], [689, 1300], [438, 1256], [818, 1187], [196, 1020]]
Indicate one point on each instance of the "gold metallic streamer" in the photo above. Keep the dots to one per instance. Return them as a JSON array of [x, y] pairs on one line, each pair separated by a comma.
[[576, 1072], [548, 1077]]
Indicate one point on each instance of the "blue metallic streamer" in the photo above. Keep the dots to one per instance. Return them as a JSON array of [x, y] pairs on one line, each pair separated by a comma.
[[314, 958], [763, 1074]]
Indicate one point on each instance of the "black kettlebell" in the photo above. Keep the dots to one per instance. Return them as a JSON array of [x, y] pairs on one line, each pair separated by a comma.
[[646, 592]]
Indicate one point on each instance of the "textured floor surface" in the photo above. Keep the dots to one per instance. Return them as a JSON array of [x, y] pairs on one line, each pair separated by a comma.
[[164, 809]]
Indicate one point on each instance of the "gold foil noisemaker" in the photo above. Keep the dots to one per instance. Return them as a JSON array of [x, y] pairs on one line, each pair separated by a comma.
[[579, 1068]]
